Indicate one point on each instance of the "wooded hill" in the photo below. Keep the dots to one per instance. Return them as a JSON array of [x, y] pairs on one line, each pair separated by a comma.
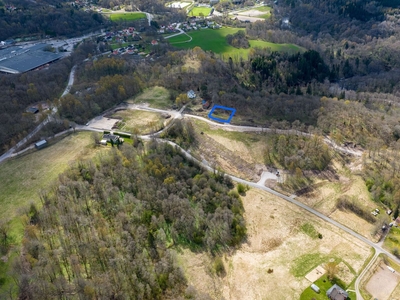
[[106, 229], [46, 18]]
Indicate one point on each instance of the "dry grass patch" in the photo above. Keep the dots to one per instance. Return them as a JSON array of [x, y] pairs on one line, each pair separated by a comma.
[[139, 121], [237, 153], [276, 252], [156, 97], [324, 194]]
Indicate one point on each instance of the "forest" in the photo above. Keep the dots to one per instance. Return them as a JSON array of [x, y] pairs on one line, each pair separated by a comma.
[[32, 19], [107, 229]]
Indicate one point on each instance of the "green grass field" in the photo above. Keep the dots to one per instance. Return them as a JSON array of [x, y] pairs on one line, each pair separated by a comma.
[[199, 11], [214, 40], [128, 16], [180, 39]]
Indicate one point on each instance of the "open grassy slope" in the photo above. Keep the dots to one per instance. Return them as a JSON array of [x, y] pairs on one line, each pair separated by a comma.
[[127, 16], [214, 40]]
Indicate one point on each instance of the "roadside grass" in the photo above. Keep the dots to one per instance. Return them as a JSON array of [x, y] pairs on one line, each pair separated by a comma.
[[139, 122], [199, 11], [215, 40], [324, 284], [25, 176], [392, 240], [127, 16], [156, 97]]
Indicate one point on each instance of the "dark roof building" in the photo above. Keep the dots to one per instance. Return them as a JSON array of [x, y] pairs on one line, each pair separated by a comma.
[[16, 59], [41, 144], [111, 138], [337, 293]]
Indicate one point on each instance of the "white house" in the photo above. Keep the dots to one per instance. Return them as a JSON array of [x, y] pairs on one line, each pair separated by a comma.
[[191, 94]]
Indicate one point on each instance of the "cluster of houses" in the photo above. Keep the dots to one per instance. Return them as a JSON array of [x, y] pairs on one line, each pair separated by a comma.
[[122, 36], [199, 23], [192, 24]]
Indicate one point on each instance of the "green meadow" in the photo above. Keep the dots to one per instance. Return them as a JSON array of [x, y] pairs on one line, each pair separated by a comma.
[[214, 40], [199, 11], [128, 16]]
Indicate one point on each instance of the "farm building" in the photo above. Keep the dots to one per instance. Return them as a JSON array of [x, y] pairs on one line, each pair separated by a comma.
[[337, 293], [15, 60], [41, 144]]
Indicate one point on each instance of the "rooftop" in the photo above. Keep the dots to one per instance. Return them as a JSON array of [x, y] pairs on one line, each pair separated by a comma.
[[16, 59]]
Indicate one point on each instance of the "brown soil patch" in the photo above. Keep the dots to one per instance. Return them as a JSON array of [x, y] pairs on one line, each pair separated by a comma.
[[315, 274], [274, 242], [382, 282]]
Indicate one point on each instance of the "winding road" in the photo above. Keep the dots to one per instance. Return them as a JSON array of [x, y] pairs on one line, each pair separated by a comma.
[[259, 185]]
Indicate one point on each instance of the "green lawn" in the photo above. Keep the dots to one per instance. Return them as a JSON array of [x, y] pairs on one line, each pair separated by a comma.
[[196, 11], [127, 16], [214, 40], [324, 284]]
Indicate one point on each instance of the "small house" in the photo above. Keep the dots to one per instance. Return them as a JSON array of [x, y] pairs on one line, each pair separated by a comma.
[[337, 293], [111, 138], [154, 42], [191, 94], [41, 144]]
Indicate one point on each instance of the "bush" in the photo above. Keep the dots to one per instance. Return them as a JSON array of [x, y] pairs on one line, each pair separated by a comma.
[[219, 267], [242, 189]]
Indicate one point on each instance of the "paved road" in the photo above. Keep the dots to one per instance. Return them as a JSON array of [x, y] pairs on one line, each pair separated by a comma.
[[230, 127], [70, 81], [378, 249], [179, 33]]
